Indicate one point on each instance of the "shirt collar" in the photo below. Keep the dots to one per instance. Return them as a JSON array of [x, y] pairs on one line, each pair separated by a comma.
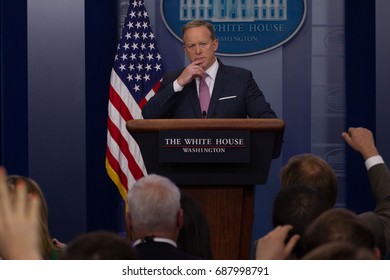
[[155, 239], [212, 70]]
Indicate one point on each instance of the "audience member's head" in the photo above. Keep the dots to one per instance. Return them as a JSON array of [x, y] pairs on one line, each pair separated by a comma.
[[298, 206], [99, 245], [49, 251], [194, 236], [340, 250], [154, 208], [313, 171], [339, 224]]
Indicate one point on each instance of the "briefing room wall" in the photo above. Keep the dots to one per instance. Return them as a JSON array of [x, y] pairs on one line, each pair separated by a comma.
[[382, 77], [104, 205], [14, 126], [71, 51], [360, 95], [56, 111]]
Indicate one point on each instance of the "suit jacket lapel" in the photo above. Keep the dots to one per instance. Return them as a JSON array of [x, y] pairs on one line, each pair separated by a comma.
[[192, 94], [219, 85]]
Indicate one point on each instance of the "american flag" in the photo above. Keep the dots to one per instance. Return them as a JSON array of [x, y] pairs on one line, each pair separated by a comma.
[[135, 77]]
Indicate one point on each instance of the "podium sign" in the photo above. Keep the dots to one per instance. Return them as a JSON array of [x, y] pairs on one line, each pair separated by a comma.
[[263, 144], [228, 146]]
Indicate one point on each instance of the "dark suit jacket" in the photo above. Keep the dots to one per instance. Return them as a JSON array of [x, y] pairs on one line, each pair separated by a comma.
[[235, 95], [161, 251], [379, 219]]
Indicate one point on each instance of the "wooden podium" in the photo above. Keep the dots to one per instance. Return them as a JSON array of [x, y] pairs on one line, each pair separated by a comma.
[[222, 183]]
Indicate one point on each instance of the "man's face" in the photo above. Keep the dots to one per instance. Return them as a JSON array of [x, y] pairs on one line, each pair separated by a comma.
[[199, 46]]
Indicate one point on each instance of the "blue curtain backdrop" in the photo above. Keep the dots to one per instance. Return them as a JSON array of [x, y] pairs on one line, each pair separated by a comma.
[[360, 93]]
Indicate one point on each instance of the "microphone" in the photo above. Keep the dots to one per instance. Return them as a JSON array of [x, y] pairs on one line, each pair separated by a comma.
[[204, 114]]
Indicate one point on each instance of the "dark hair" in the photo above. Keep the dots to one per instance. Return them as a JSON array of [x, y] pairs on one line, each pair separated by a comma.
[[338, 224], [313, 171], [194, 236], [340, 250], [99, 245], [298, 206]]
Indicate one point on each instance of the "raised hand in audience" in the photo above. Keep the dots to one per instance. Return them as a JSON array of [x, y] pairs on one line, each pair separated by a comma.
[[19, 222], [276, 245], [361, 140]]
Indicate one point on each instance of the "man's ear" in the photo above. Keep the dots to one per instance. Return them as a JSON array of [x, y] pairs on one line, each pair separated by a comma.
[[377, 253], [215, 43], [180, 218], [129, 226]]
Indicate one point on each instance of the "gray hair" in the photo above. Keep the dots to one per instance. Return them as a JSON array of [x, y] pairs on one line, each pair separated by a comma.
[[154, 202]]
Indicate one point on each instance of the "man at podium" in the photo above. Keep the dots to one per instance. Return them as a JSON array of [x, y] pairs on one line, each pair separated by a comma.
[[207, 88]]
